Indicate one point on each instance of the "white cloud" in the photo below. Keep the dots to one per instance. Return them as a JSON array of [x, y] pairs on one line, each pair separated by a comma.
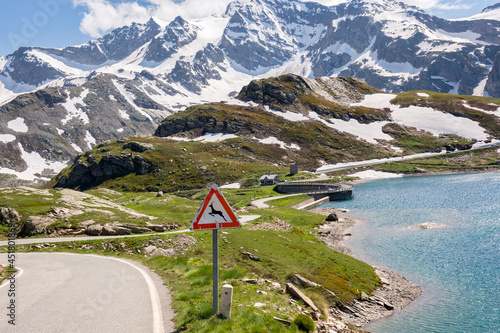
[[102, 15]]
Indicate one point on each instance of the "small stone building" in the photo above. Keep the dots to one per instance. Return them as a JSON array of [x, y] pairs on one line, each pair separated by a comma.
[[269, 180], [294, 168]]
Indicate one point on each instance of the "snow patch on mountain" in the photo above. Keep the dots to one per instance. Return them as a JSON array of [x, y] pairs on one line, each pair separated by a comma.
[[480, 89], [433, 46], [209, 30], [495, 112], [288, 115], [466, 36], [275, 141], [62, 64], [398, 24], [36, 166], [5, 94], [485, 15], [76, 148], [12, 86], [438, 122], [73, 106], [427, 119], [370, 132], [18, 125], [130, 99], [78, 68], [372, 174], [6, 138], [208, 137], [123, 114], [340, 166], [91, 141]]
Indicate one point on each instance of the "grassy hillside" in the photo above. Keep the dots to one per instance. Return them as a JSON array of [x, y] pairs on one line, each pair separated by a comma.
[[170, 165], [477, 160], [295, 113], [282, 253]]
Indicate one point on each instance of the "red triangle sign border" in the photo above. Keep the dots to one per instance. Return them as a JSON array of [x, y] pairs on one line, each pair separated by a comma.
[[198, 224]]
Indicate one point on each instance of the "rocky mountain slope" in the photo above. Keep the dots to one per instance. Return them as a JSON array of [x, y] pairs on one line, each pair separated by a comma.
[[285, 119], [56, 103]]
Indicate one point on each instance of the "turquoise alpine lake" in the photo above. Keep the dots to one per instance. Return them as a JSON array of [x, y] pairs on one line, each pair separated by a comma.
[[457, 265]]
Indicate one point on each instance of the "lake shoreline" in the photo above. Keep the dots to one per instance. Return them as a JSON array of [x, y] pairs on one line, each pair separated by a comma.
[[396, 291]]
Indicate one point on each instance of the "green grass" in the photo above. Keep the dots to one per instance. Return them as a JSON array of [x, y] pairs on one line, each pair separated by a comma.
[[167, 209], [414, 141], [288, 201], [183, 167], [474, 160], [188, 274], [243, 196], [6, 272], [28, 203]]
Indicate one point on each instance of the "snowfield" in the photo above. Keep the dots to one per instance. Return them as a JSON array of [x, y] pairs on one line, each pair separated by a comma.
[[6, 138], [427, 119], [372, 174], [18, 125], [36, 165]]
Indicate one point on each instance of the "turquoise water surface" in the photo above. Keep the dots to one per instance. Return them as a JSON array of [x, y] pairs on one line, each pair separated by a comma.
[[457, 266]]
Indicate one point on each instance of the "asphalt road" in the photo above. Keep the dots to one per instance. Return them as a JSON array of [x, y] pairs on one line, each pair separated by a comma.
[[59, 292]]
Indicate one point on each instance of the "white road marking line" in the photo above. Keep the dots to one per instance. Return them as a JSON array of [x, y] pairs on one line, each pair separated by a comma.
[[153, 294], [17, 275]]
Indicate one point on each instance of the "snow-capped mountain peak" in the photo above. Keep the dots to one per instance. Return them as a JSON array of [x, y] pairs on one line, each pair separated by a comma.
[[489, 13], [140, 73]]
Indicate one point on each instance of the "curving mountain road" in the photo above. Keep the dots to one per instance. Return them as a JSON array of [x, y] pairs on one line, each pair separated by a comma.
[[60, 292]]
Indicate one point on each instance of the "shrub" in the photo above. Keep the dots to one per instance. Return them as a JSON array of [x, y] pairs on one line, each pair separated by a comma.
[[304, 323]]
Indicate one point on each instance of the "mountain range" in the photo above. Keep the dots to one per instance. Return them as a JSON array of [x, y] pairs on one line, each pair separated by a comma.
[[57, 103]]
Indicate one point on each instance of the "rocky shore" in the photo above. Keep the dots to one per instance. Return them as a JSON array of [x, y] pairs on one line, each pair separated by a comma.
[[395, 293]]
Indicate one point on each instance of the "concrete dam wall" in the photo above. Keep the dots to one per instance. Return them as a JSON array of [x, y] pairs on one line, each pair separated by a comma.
[[334, 191]]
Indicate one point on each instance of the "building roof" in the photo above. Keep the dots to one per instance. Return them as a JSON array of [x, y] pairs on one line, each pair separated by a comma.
[[268, 177]]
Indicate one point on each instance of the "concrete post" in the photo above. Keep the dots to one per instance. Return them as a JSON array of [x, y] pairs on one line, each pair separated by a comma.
[[226, 300]]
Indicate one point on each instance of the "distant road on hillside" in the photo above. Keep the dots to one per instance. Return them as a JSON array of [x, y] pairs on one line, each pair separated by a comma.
[[341, 166]]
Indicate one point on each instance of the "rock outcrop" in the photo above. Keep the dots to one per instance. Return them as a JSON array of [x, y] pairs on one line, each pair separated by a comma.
[[8, 215], [493, 83], [88, 171], [36, 225], [327, 96]]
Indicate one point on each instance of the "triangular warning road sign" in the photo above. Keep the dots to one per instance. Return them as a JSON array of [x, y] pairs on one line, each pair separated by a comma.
[[215, 213]]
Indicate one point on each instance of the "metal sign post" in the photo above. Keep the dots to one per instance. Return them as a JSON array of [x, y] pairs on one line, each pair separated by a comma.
[[215, 245], [215, 213]]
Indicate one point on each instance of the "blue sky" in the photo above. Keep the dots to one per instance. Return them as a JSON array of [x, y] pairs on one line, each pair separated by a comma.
[[59, 23]]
